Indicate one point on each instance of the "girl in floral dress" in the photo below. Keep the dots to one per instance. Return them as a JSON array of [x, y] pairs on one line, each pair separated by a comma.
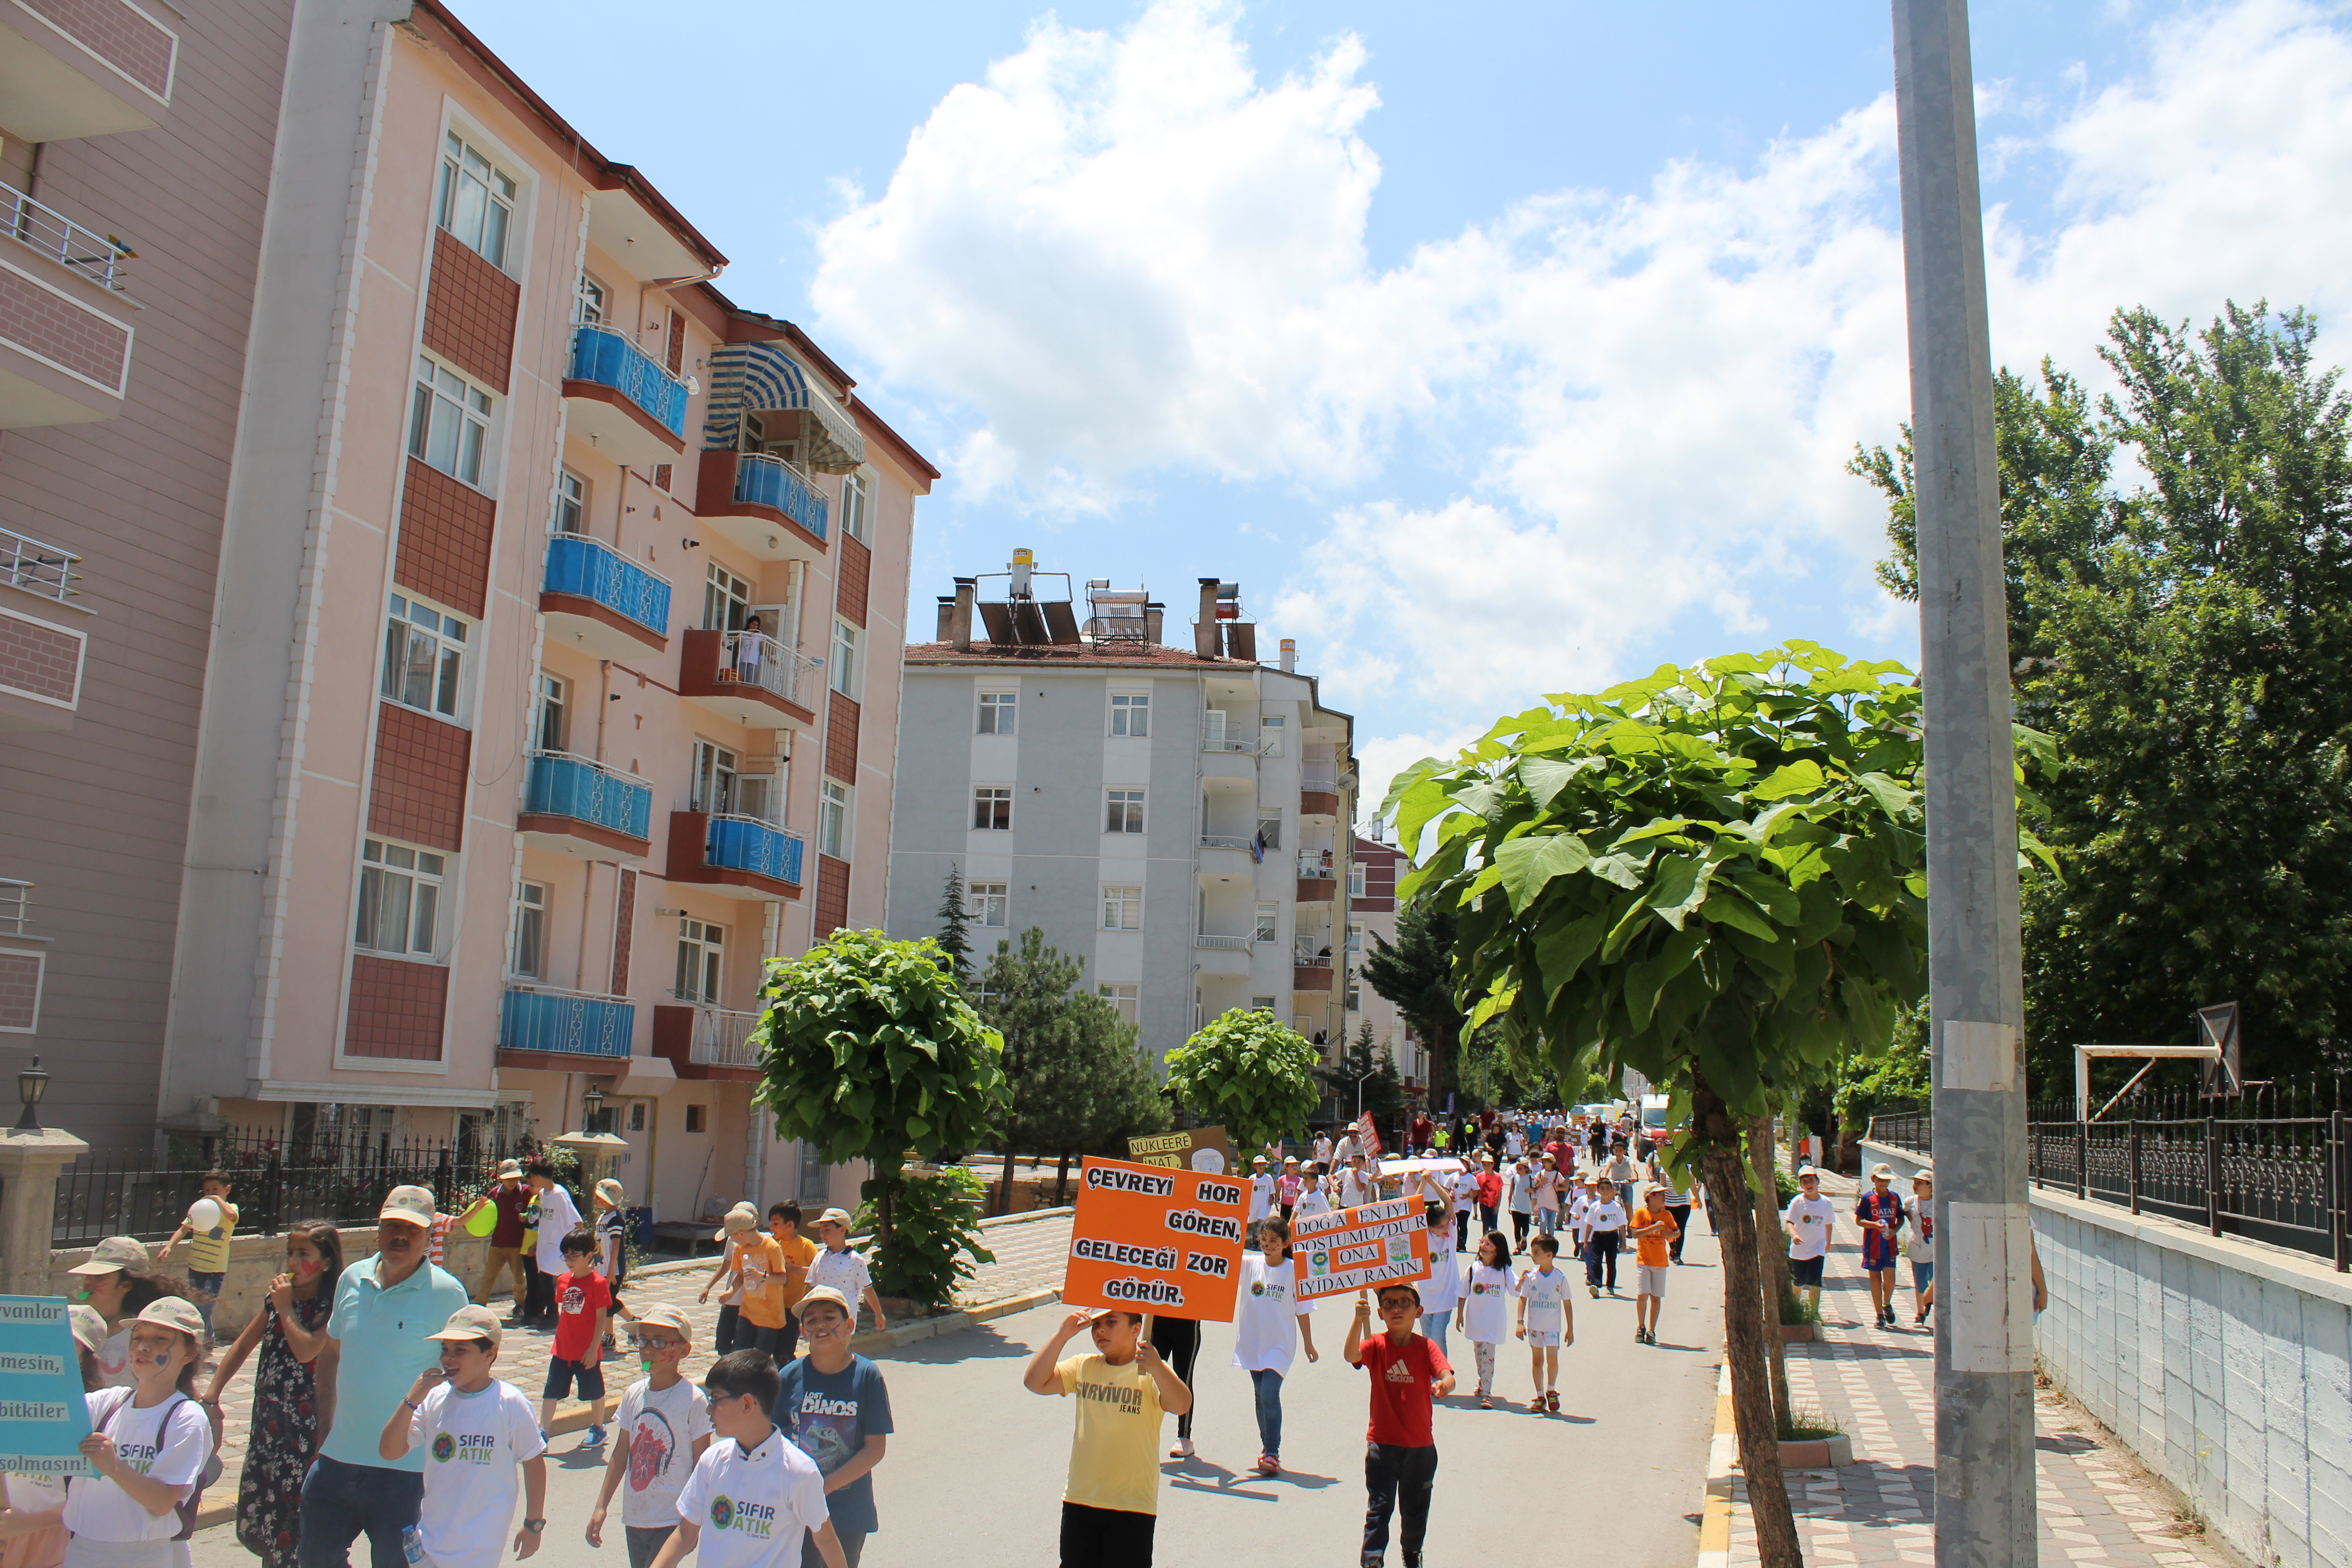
[[283, 1435]]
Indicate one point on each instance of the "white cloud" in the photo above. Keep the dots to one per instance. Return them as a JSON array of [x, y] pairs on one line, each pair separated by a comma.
[[1124, 252]]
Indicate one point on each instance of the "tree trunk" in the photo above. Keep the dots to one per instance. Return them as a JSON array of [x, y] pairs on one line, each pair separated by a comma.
[[1004, 1183], [1771, 1258], [1062, 1181], [1718, 1134]]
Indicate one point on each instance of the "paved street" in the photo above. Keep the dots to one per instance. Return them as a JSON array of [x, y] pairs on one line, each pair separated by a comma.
[[977, 1462]]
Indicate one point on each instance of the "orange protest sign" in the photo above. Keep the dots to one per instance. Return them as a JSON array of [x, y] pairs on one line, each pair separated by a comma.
[[1357, 1249], [1156, 1238]]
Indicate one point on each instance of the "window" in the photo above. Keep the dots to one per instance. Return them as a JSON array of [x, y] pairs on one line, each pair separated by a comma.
[[696, 1119], [853, 506], [726, 600], [991, 807], [996, 712], [1269, 832], [832, 820], [1122, 1001], [547, 730], [1130, 715], [1261, 1003], [1269, 736], [399, 899], [1125, 813], [591, 300], [424, 658], [450, 422], [1355, 936], [571, 504], [701, 947], [476, 201], [1269, 918], [1356, 879], [1354, 1005], [1122, 909], [530, 930], [991, 905], [713, 788], [845, 660]]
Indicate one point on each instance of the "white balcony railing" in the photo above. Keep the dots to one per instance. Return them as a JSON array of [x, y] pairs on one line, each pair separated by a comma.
[[722, 1038], [1309, 957], [1238, 944], [16, 907], [1319, 776], [49, 231], [1218, 735], [1316, 865], [38, 568], [757, 659], [1227, 841]]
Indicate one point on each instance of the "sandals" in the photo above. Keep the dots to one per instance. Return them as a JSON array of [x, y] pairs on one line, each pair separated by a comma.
[[1535, 1405], [1552, 1400]]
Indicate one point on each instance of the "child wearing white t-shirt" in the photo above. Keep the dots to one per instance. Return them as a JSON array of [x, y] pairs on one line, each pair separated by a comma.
[[1809, 1219], [477, 1432], [1312, 1196], [1443, 1286], [1482, 1311], [663, 1429], [754, 1498], [1546, 1322], [1269, 1325]]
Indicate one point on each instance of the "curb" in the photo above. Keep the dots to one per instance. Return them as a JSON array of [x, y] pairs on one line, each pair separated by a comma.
[[575, 1420], [1722, 1452]]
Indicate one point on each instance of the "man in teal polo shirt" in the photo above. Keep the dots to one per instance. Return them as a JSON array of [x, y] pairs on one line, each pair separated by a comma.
[[376, 1345]]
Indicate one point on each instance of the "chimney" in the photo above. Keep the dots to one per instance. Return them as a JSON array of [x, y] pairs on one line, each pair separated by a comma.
[[1155, 616], [947, 618], [1289, 656], [959, 624], [1206, 641]]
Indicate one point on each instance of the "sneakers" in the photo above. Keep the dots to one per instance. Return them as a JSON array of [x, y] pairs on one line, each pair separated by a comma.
[[1269, 1464], [1485, 1402], [1183, 1450], [1639, 1333], [1595, 1289], [594, 1440]]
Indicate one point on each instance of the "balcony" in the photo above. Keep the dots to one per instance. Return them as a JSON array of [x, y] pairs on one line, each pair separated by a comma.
[[546, 1026], [1219, 735], [87, 70], [621, 402], [65, 341], [764, 504], [1318, 882], [602, 601], [752, 679], [41, 657], [23, 957], [1225, 857], [1220, 955], [578, 807], [1309, 972], [707, 1042], [757, 860], [1319, 791]]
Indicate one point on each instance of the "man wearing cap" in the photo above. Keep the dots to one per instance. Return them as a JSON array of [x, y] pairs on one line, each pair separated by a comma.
[[510, 1198], [385, 1306], [834, 1405]]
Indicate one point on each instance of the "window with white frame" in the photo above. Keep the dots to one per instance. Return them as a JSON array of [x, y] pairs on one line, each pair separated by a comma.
[[1124, 811], [1269, 922], [571, 504], [991, 903], [425, 658], [1261, 1003], [1269, 832], [530, 930], [845, 660], [701, 955], [832, 819], [726, 600], [712, 788], [591, 300], [1130, 714], [1270, 732], [1121, 999], [400, 900], [1122, 907], [548, 727], [1355, 936], [450, 422], [854, 501], [997, 711], [991, 807], [1355, 1004], [1356, 879], [477, 200]]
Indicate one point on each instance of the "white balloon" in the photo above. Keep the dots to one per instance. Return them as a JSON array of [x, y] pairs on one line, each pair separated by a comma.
[[204, 1214]]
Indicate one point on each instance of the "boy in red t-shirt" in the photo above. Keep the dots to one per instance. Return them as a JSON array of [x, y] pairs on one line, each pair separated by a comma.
[[583, 1304], [1409, 1374]]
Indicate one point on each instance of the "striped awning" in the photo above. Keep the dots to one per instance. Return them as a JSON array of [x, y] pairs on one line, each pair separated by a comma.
[[762, 379]]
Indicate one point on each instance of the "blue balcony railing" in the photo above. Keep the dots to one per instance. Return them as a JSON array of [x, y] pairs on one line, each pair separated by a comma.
[[571, 1022], [561, 785], [762, 480], [747, 844], [603, 356], [595, 570]]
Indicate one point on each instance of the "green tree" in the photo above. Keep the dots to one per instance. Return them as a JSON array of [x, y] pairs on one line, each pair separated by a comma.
[[1250, 1074], [1713, 877], [2183, 640], [1416, 973], [955, 922], [868, 1051], [1375, 1066]]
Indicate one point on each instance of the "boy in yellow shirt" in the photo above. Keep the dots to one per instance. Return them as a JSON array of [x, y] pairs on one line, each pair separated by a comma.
[[784, 1226], [1111, 1506]]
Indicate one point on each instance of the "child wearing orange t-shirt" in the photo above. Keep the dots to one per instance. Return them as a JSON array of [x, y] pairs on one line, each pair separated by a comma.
[[1653, 1231]]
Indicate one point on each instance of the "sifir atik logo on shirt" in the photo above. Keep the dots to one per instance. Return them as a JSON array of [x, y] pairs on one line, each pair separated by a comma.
[[755, 1520], [467, 1448]]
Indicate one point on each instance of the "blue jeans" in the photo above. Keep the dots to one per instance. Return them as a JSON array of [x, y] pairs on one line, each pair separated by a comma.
[[1268, 1385], [204, 1290], [1433, 1328], [341, 1502]]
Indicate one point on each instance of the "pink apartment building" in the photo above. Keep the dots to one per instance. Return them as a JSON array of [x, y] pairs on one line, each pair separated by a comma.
[[555, 681], [135, 151]]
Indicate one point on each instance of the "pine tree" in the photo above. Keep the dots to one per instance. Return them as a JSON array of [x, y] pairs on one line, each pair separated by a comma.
[[1383, 1089], [955, 941]]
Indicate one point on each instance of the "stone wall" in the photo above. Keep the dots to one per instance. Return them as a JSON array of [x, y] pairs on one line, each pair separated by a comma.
[[256, 1260]]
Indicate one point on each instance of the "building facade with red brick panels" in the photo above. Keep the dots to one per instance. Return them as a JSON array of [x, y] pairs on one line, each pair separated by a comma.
[[1371, 918], [137, 184]]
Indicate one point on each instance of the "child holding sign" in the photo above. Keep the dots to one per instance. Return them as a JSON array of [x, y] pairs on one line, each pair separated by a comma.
[[1270, 1325], [1410, 1373], [1111, 1506]]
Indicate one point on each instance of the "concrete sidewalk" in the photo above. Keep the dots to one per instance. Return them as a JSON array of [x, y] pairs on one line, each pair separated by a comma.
[[2097, 1503]]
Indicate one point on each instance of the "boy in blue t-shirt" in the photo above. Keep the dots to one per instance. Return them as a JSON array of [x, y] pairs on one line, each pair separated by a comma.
[[836, 1408]]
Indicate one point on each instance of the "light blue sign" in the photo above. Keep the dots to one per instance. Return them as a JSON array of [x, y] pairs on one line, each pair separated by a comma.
[[43, 1414]]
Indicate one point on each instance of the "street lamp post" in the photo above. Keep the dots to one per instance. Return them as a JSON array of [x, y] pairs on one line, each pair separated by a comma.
[[1984, 1345]]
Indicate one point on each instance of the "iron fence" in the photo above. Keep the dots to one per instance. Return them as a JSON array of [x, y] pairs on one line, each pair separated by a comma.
[[274, 1180], [2274, 1164]]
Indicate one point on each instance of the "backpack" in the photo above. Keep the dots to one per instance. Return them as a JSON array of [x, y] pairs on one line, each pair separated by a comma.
[[186, 1508]]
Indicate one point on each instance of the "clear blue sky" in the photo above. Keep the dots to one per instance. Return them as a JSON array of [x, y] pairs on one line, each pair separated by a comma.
[[1497, 348]]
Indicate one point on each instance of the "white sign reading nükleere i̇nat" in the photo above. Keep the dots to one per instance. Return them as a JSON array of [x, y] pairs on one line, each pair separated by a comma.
[[42, 1415], [1986, 1289]]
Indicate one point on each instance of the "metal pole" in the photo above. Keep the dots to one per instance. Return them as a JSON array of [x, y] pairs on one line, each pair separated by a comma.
[[1984, 1333]]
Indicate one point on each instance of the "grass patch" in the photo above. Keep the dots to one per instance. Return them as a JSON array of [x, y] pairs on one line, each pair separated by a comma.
[[1808, 1426], [1796, 1308]]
